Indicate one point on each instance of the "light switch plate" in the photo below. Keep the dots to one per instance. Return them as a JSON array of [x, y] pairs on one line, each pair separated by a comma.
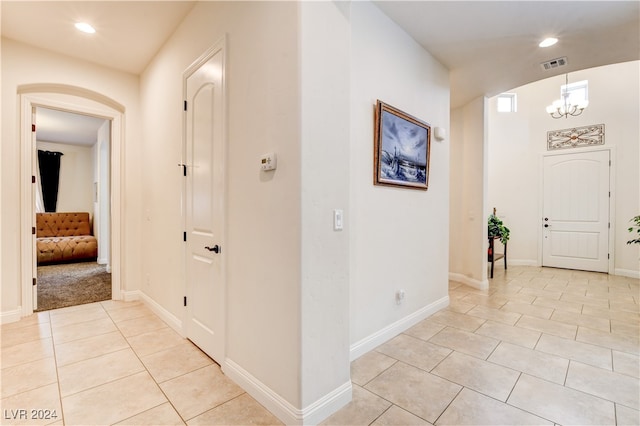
[[338, 220]]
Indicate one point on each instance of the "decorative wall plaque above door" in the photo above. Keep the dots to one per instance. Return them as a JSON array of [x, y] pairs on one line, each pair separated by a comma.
[[576, 137]]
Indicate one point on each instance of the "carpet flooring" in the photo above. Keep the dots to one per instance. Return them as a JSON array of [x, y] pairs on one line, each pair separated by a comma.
[[72, 284]]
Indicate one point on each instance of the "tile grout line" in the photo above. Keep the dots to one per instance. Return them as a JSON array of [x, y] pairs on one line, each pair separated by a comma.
[[450, 402], [55, 361], [522, 409], [217, 406], [381, 414], [119, 378], [168, 400], [75, 340]]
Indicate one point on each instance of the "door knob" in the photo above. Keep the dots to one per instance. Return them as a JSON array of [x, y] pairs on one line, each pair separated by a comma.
[[546, 225], [215, 249]]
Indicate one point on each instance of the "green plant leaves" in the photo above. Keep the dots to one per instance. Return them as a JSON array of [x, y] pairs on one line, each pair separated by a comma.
[[497, 229]]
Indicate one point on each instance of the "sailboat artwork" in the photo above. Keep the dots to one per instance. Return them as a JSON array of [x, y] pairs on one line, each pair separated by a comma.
[[401, 152]]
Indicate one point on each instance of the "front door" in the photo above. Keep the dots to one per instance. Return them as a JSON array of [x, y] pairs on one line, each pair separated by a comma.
[[204, 151], [575, 218]]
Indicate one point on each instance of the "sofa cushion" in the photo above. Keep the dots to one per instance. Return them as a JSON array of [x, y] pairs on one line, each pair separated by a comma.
[[62, 224], [64, 237], [63, 249]]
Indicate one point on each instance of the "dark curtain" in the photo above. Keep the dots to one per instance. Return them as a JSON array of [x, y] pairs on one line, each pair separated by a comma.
[[50, 178]]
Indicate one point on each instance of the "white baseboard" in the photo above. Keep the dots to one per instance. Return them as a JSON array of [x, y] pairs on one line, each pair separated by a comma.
[[523, 262], [280, 407], [471, 282], [166, 316], [328, 404], [376, 339], [627, 273], [11, 316], [130, 296]]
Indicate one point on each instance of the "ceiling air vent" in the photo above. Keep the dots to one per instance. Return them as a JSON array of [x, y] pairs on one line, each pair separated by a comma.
[[554, 63]]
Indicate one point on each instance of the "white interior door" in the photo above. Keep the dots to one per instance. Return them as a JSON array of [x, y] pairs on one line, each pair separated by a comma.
[[576, 211], [205, 205]]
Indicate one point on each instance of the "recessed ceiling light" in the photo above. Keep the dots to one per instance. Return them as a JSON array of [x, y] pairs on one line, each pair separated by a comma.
[[548, 42], [85, 28]]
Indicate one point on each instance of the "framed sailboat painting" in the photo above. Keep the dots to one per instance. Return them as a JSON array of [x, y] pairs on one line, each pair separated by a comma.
[[401, 148]]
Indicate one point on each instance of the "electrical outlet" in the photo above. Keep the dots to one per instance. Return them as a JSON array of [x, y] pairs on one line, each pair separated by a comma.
[[400, 296]]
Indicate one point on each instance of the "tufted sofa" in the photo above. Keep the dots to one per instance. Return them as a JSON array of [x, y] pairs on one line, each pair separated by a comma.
[[64, 237]]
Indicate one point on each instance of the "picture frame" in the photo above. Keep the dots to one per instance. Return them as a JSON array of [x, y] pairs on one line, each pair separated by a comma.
[[402, 147]]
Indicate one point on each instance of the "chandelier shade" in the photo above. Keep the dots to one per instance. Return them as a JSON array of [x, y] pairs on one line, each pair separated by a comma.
[[563, 107]]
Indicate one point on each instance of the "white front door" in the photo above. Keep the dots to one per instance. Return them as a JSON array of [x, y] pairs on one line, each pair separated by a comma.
[[575, 218], [204, 150]]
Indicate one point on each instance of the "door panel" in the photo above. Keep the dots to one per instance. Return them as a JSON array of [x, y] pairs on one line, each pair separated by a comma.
[[204, 207], [576, 211]]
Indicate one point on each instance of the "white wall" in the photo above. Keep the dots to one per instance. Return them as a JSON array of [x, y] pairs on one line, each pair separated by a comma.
[[263, 252], [325, 39], [301, 87], [469, 213], [75, 188], [399, 237], [24, 65], [517, 141]]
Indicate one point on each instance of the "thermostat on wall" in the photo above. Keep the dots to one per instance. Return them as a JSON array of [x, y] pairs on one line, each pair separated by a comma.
[[268, 161]]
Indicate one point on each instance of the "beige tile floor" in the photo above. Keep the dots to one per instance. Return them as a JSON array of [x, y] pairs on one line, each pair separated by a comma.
[[114, 363], [541, 346]]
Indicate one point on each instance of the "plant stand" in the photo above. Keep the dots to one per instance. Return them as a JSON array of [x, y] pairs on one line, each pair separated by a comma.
[[493, 256]]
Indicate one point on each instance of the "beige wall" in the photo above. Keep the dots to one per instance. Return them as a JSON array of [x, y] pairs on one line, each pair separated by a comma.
[[289, 328], [469, 213], [325, 29], [263, 211], [398, 237]]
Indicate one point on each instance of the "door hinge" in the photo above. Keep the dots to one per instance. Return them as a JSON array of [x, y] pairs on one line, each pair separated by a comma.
[[609, 225], [35, 281], [608, 256], [184, 236], [185, 301], [33, 230], [33, 127], [609, 163], [33, 179], [185, 105]]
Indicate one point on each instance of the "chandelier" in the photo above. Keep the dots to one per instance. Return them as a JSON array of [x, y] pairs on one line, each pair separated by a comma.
[[563, 107]]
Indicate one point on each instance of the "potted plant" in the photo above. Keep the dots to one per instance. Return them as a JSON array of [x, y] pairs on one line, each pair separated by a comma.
[[635, 230], [497, 228]]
